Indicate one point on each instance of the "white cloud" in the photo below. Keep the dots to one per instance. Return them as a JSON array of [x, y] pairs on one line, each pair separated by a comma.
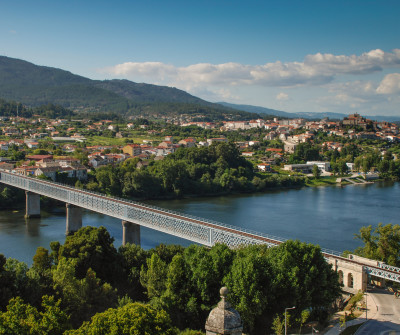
[[282, 96], [147, 69], [314, 70], [390, 84], [318, 77]]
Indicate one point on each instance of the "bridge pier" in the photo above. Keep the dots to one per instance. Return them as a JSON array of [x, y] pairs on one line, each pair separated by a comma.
[[32, 205], [74, 218], [130, 233]]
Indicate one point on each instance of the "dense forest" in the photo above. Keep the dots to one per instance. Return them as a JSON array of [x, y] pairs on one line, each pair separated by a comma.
[[216, 169], [87, 286]]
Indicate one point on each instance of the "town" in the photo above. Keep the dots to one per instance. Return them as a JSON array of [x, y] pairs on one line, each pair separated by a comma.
[[68, 148]]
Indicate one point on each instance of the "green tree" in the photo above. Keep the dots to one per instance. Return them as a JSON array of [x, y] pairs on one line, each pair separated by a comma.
[[7, 282], [249, 282], [278, 325], [93, 248], [133, 258], [42, 262], [381, 243], [177, 296], [134, 318], [316, 172], [24, 319], [81, 298], [304, 316], [153, 278], [302, 278]]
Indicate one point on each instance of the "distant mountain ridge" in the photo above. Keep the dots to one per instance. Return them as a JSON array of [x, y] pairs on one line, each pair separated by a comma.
[[36, 85], [304, 115]]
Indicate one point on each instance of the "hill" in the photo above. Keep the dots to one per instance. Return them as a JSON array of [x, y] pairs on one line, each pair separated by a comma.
[[35, 85], [305, 115], [259, 110]]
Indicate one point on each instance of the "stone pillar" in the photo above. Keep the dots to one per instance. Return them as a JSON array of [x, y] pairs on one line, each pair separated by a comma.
[[74, 219], [223, 319], [130, 233], [32, 205]]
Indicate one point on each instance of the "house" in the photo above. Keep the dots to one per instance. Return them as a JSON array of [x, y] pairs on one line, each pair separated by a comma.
[[49, 172], [132, 149], [304, 168], [215, 140], [350, 166], [4, 146], [166, 144], [323, 166], [188, 142], [289, 146], [271, 135], [79, 172], [97, 161], [264, 167], [142, 164], [248, 153], [25, 170], [32, 145], [6, 166], [115, 158]]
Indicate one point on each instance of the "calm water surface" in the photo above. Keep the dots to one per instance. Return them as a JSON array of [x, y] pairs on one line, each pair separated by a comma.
[[328, 216]]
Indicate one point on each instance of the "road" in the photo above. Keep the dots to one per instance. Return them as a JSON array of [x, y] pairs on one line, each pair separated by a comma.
[[383, 314]]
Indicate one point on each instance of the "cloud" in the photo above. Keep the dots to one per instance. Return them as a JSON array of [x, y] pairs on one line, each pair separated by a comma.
[[372, 61], [315, 70], [282, 96], [13, 32], [146, 69], [390, 84]]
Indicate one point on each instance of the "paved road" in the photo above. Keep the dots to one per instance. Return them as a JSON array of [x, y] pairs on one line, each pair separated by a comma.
[[383, 315]]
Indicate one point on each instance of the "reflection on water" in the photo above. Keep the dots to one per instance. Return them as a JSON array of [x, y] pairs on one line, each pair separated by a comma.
[[328, 216]]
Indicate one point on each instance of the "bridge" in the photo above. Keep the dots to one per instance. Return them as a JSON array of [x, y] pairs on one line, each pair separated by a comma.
[[353, 271]]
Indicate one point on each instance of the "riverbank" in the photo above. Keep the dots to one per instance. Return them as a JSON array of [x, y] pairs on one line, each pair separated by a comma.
[[15, 199]]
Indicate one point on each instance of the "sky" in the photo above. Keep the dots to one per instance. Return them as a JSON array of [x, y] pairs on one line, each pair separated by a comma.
[[291, 55]]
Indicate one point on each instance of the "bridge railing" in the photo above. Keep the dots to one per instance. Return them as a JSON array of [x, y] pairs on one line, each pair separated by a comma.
[[191, 227], [384, 266], [215, 224], [167, 219]]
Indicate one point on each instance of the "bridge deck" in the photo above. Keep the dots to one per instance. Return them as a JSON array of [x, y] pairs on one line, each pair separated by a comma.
[[199, 230]]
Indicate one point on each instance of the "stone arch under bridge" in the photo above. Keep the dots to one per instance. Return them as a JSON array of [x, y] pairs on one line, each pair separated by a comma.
[[352, 274]]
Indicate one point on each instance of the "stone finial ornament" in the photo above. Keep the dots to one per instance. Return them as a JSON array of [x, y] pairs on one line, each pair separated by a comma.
[[223, 319]]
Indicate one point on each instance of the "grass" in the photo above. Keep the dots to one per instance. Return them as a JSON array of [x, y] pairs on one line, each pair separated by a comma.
[[351, 330], [102, 140], [322, 181]]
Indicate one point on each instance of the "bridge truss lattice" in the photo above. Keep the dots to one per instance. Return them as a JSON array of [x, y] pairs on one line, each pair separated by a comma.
[[195, 229]]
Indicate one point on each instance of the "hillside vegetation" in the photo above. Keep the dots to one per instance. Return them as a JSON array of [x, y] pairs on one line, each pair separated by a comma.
[[35, 85]]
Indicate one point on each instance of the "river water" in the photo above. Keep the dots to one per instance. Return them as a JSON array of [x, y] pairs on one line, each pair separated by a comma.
[[328, 216]]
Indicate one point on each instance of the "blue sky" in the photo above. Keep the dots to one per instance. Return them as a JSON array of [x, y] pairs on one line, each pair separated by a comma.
[[296, 56]]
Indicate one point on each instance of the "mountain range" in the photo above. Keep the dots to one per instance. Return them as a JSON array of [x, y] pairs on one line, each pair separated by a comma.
[[304, 115], [35, 85]]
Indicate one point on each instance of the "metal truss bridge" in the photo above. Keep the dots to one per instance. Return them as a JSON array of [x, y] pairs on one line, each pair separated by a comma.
[[199, 230]]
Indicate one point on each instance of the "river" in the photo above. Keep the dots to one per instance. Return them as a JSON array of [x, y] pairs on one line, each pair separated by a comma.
[[328, 216]]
